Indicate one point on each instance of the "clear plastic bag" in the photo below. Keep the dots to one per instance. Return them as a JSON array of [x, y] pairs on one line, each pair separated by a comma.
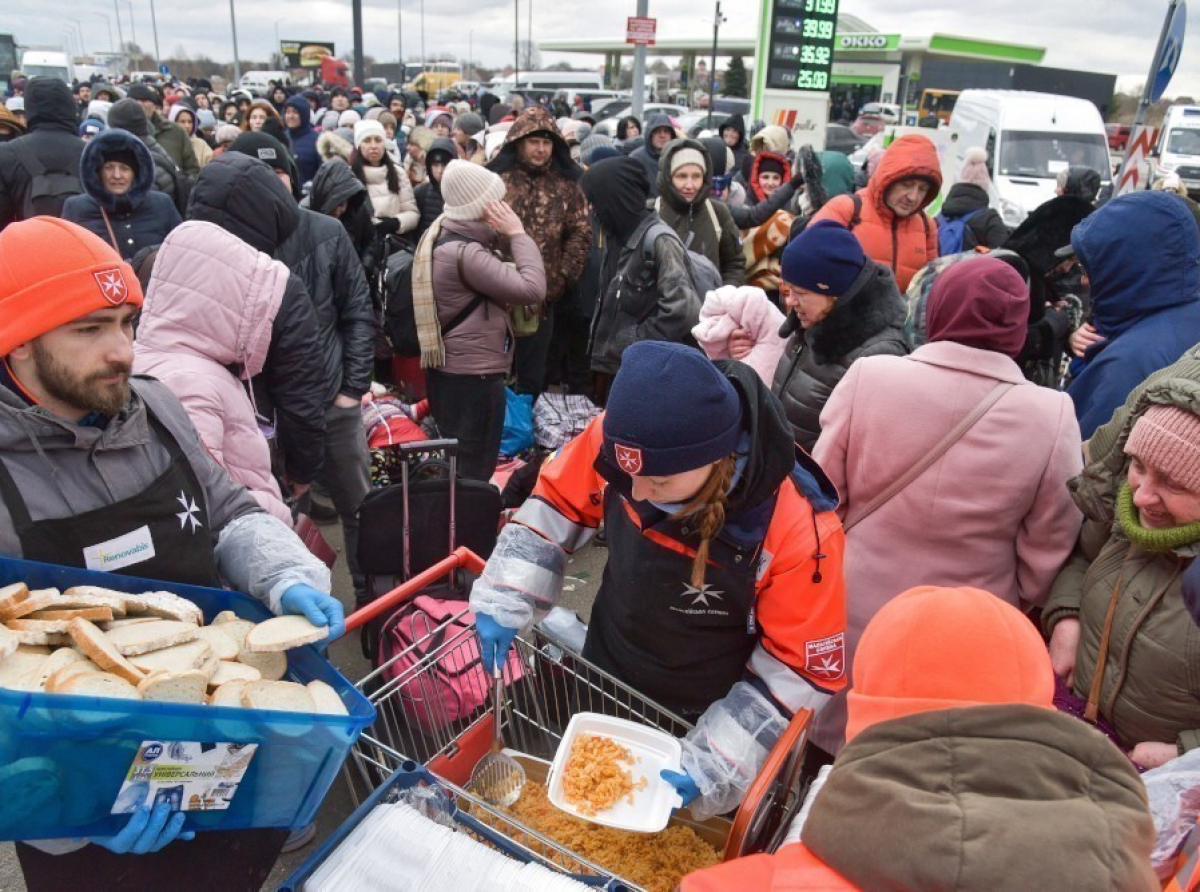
[[260, 555], [522, 580], [1174, 793], [725, 751]]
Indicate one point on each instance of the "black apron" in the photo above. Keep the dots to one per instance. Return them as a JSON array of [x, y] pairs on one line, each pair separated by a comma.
[[679, 646], [173, 512]]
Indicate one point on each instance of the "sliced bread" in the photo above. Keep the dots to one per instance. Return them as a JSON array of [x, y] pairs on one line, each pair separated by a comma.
[[42, 649], [8, 644], [174, 687], [96, 645], [39, 625], [222, 643], [127, 621], [40, 599], [272, 666], [285, 696], [10, 596], [165, 605], [227, 672], [326, 699], [99, 684], [69, 670], [64, 656], [37, 636], [95, 596], [226, 616], [228, 694], [17, 667], [284, 633], [95, 614], [145, 637], [180, 658]]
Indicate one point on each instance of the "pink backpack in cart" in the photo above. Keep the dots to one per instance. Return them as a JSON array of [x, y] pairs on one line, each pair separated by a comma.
[[432, 646]]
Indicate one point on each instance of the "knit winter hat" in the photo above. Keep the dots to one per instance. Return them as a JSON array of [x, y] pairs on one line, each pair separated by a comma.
[[974, 169], [363, 129], [422, 137], [52, 272], [470, 123], [227, 133], [98, 109], [769, 162], [15, 103], [90, 127], [144, 93], [467, 187], [687, 156], [670, 410], [825, 258], [934, 647], [1168, 438], [983, 303], [348, 118]]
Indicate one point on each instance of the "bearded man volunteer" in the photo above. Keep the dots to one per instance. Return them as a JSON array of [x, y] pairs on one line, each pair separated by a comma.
[[103, 470]]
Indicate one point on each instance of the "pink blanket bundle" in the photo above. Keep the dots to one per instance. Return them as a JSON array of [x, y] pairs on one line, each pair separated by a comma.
[[731, 307]]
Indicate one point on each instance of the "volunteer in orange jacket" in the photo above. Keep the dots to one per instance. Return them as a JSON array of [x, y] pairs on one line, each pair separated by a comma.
[[722, 598], [959, 773], [888, 215]]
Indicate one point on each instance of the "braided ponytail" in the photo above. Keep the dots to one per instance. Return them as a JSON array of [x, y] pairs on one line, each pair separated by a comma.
[[708, 505]]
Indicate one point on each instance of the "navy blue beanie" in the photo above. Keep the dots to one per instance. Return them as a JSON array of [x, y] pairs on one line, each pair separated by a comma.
[[825, 258], [670, 410]]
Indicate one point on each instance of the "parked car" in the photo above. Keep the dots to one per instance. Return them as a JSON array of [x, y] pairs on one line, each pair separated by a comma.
[[608, 127], [694, 123], [890, 113], [867, 125], [840, 138], [1118, 136]]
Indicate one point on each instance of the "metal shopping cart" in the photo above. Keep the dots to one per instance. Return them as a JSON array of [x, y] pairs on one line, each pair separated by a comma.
[[545, 685]]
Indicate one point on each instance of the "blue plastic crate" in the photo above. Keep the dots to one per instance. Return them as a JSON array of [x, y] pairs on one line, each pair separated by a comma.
[[82, 747], [410, 774]]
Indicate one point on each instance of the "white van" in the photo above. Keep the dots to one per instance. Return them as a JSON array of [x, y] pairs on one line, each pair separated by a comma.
[[259, 82], [48, 63], [548, 81], [1029, 139], [1178, 147]]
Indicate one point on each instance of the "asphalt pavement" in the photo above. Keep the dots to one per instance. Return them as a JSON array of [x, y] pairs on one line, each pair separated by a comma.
[[583, 577]]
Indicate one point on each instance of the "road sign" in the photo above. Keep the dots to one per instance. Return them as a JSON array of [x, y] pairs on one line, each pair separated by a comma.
[[1137, 151], [640, 30], [164, 70], [1172, 49]]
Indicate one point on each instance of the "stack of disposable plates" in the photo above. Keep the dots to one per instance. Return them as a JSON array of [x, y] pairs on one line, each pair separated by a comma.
[[396, 849]]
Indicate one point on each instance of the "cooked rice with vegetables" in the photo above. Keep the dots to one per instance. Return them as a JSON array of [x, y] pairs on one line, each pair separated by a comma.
[[593, 779]]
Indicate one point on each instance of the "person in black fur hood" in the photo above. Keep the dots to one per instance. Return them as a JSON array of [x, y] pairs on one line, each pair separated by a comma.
[[841, 306]]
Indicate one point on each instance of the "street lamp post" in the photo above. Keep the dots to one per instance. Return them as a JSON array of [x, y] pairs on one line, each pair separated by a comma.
[[237, 65], [110, 31], [132, 27], [517, 44], [399, 47], [120, 35], [154, 25], [712, 74], [470, 55], [639, 68]]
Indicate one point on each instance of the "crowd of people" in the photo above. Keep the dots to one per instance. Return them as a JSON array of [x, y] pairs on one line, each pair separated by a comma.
[[921, 477]]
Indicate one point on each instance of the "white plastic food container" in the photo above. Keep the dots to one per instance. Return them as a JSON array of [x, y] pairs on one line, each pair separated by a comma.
[[651, 750]]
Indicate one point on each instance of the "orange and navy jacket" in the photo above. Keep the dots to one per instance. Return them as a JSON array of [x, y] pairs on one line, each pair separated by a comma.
[[800, 604]]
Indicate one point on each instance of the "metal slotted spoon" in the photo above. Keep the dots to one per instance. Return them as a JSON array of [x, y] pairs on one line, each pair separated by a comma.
[[498, 778]]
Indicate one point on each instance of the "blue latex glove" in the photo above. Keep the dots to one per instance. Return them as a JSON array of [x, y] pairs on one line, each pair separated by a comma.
[[683, 784], [319, 608], [494, 641], [147, 831]]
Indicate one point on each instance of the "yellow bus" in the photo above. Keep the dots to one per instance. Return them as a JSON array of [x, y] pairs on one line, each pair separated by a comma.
[[431, 78]]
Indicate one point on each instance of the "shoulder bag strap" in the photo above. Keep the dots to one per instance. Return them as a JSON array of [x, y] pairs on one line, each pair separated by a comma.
[[856, 216], [111, 236], [938, 450], [1092, 709], [28, 158], [461, 316]]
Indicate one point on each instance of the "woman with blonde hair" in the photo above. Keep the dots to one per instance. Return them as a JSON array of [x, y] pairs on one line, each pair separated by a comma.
[[722, 598]]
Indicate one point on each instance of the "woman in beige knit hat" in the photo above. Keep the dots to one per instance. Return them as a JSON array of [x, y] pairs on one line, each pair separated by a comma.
[[462, 292], [1121, 637]]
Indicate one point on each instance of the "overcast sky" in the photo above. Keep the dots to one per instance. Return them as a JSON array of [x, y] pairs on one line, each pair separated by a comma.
[[1112, 36]]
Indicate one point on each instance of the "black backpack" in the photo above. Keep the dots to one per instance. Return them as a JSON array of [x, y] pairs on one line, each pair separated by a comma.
[[399, 320], [48, 189]]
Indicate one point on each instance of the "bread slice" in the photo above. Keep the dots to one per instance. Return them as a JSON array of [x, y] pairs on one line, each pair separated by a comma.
[[38, 636], [272, 666], [180, 658], [96, 645], [227, 672], [284, 633], [10, 596], [226, 616], [145, 637], [95, 614], [222, 643], [229, 694], [8, 643], [127, 621], [99, 684], [95, 596], [18, 666], [39, 625], [174, 687], [64, 656], [41, 599], [165, 605], [285, 696], [55, 682], [42, 649], [326, 699], [237, 629]]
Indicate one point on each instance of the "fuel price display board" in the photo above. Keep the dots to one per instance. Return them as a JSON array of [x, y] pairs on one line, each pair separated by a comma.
[[801, 44]]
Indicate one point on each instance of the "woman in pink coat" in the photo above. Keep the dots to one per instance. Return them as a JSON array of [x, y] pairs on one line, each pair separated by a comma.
[[993, 512], [209, 308]]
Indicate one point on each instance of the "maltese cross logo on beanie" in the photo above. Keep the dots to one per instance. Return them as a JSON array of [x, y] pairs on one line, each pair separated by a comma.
[[112, 286], [629, 458]]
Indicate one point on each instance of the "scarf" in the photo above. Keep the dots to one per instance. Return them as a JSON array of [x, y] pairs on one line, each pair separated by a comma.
[[429, 331], [1151, 540]]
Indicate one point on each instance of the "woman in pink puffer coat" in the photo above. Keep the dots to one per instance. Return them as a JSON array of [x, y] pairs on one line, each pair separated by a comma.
[[209, 308]]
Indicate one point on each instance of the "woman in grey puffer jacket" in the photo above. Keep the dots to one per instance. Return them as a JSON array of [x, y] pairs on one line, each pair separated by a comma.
[[841, 306]]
